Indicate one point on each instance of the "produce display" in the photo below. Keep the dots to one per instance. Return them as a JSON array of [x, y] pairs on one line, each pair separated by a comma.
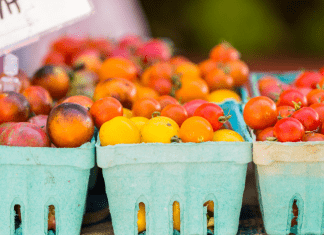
[[132, 91], [288, 112]]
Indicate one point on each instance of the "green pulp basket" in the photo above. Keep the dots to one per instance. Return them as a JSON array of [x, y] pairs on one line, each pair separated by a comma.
[[159, 174], [35, 178], [287, 172]]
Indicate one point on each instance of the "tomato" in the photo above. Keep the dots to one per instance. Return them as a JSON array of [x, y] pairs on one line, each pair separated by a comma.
[[158, 70], [308, 79], [159, 130], [197, 130], [227, 136], [315, 96], [166, 100], [305, 90], [219, 96], [271, 87], [154, 50], [321, 83], [127, 113], [119, 130], [130, 42], [146, 92], [319, 108], [308, 117], [54, 58], [191, 106], [192, 88], [206, 66], [146, 107], [260, 113], [187, 69], [284, 111], [322, 71], [289, 130], [290, 96], [313, 137], [177, 60], [239, 71], [213, 113], [161, 85], [224, 52], [219, 79], [103, 45], [267, 81], [176, 112], [265, 134]]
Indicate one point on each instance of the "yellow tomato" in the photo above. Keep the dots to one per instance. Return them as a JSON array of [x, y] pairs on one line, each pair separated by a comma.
[[210, 206], [176, 216], [227, 135], [220, 96], [119, 130], [159, 130], [127, 113], [139, 121], [141, 222]]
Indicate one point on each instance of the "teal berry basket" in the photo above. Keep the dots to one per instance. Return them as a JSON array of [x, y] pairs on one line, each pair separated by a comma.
[[190, 173], [35, 178], [288, 172]]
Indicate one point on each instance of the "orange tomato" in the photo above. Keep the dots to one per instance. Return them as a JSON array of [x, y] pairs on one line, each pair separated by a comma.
[[177, 60], [196, 129], [187, 69], [166, 100], [206, 66], [192, 88], [146, 107], [176, 112], [219, 79], [158, 70], [161, 85], [239, 71], [117, 67], [146, 92], [224, 52]]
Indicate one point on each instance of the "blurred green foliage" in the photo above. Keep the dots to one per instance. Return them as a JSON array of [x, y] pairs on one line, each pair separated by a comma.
[[254, 27]]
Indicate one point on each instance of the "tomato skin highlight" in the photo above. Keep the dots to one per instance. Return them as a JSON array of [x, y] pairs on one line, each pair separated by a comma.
[[308, 117], [289, 130], [260, 113]]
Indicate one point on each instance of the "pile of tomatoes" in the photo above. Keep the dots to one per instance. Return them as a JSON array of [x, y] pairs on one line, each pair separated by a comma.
[[288, 113]]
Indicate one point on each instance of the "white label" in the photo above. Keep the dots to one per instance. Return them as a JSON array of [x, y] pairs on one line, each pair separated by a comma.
[[21, 21]]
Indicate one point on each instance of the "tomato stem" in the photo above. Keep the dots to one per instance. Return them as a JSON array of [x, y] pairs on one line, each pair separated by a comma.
[[297, 106], [224, 119], [156, 114], [175, 139], [272, 139]]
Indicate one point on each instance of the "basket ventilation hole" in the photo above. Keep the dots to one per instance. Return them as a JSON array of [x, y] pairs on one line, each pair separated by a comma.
[[176, 216], [210, 215], [141, 218], [294, 221], [18, 220], [51, 218]]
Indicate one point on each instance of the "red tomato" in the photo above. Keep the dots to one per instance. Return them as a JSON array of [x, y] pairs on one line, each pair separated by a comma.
[[319, 108], [285, 111], [265, 134], [191, 106], [212, 113], [176, 112], [313, 137], [315, 96], [290, 96], [308, 117], [130, 42], [308, 79], [289, 130], [161, 85], [54, 58], [224, 52], [165, 100], [322, 71], [267, 81], [260, 113]]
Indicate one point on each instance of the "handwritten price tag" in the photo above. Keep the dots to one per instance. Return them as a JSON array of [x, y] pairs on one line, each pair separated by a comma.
[[23, 21]]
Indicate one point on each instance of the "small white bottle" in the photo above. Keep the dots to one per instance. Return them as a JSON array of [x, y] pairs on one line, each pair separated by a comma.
[[10, 68]]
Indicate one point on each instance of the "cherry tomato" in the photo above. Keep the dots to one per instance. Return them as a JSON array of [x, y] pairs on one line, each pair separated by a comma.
[[319, 108], [197, 130], [289, 130], [313, 137], [219, 79], [305, 90], [213, 113], [271, 87], [227, 136], [315, 96], [146, 107], [191, 106], [105, 109], [161, 85], [239, 71], [260, 113], [322, 71], [166, 100], [308, 117], [290, 96], [308, 79], [265, 134], [206, 66], [284, 111], [224, 52], [176, 112]]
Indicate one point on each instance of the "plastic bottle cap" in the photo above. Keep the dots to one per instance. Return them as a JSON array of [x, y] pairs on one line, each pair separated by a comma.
[[10, 67]]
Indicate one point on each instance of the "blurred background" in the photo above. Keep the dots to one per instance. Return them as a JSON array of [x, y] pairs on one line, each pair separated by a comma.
[[271, 35]]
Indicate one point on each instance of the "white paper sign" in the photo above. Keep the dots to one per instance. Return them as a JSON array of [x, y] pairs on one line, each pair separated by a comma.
[[23, 21]]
